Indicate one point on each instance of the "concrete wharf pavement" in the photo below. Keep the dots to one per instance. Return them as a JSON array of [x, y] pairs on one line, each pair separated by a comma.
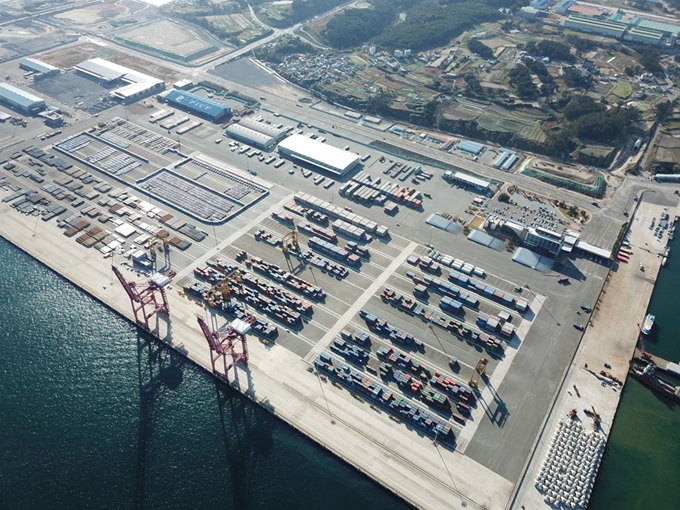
[[610, 339], [401, 459]]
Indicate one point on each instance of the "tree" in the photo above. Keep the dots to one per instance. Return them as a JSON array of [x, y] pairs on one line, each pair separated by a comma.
[[353, 26], [504, 197], [573, 78], [380, 100], [580, 106], [520, 78], [478, 47], [551, 49]]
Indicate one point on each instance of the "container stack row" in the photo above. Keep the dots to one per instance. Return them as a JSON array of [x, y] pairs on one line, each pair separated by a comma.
[[336, 212], [394, 404]]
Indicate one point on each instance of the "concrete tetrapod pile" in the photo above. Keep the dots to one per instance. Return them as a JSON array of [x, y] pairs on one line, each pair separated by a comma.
[[568, 472]]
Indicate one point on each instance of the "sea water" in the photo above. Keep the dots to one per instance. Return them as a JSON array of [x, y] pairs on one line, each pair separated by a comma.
[[95, 415], [642, 460]]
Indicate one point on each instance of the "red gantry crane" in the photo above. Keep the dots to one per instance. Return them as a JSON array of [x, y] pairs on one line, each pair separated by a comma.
[[147, 298], [224, 342]]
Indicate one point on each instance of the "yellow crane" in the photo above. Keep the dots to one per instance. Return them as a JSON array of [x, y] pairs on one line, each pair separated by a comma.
[[156, 241], [290, 240], [480, 370], [222, 289]]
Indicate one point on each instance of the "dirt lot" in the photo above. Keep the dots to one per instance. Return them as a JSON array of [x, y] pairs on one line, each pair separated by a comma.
[[572, 172], [94, 13], [166, 36]]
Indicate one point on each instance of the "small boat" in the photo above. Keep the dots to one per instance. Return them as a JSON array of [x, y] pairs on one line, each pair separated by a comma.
[[648, 324], [663, 261]]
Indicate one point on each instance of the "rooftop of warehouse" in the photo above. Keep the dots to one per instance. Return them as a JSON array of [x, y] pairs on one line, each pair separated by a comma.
[[109, 71], [38, 66], [320, 152], [246, 131], [18, 96], [197, 102]]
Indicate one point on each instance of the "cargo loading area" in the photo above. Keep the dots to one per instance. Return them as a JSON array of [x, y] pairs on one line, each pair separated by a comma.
[[412, 335]]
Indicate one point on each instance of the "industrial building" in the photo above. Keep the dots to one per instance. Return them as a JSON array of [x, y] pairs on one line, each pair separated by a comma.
[[467, 180], [542, 239], [506, 159], [136, 84], [528, 13], [667, 29], [644, 36], [563, 6], [596, 26], [319, 154], [212, 110], [267, 129], [471, 147], [667, 177], [250, 136], [20, 100], [539, 4], [38, 68]]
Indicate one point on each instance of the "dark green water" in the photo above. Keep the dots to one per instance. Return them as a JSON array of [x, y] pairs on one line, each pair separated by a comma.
[[642, 460], [94, 416]]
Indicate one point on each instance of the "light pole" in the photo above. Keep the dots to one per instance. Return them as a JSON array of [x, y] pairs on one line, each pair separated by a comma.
[[429, 243], [531, 271], [324, 396], [455, 487], [37, 217]]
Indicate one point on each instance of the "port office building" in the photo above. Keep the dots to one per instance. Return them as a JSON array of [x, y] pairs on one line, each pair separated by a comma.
[[136, 84], [209, 109], [250, 136], [321, 155], [20, 100], [38, 68]]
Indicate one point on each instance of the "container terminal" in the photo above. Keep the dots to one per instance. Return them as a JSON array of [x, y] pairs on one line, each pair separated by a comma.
[[437, 362]]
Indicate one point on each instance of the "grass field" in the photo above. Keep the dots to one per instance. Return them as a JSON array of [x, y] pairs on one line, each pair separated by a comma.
[[597, 150], [622, 90]]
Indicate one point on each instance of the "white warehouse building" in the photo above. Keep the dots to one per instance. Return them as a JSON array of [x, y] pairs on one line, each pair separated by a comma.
[[319, 154], [250, 136], [261, 127]]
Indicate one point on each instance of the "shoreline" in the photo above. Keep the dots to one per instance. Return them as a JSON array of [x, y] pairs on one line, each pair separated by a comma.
[[277, 381], [612, 338]]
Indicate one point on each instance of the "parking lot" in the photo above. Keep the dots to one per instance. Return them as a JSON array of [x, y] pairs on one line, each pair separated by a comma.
[[77, 91]]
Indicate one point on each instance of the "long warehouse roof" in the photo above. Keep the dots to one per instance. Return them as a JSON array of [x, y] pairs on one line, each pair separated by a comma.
[[326, 155], [38, 66], [18, 96], [103, 69], [267, 129], [198, 103], [249, 134]]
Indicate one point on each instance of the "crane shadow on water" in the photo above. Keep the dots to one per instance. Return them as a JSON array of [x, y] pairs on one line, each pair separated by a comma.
[[160, 370]]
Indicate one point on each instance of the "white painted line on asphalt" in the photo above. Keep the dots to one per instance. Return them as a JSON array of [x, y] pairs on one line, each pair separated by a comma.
[[497, 378], [359, 303]]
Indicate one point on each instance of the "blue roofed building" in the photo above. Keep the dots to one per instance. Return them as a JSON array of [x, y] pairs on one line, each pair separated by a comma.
[[193, 103], [40, 69], [20, 100], [471, 147]]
